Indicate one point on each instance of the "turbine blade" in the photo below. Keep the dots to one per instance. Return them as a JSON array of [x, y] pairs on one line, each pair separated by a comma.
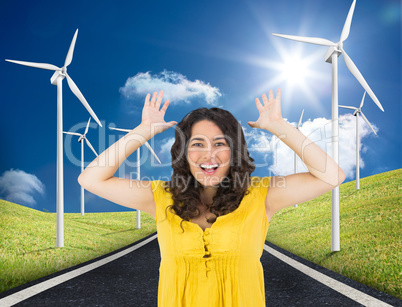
[[86, 129], [368, 123], [348, 22], [90, 146], [361, 103], [118, 129], [310, 40], [300, 120], [152, 151], [355, 72], [73, 133], [70, 52], [345, 107], [81, 97], [36, 65]]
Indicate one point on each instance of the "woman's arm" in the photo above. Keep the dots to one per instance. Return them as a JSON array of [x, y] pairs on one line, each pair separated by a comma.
[[324, 174], [98, 176]]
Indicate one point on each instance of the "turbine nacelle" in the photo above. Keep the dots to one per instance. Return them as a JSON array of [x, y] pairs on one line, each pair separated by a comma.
[[330, 52], [57, 73]]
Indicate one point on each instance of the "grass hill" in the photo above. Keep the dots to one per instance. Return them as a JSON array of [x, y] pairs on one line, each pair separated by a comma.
[[370, 231], [370, 221], [28, 240]]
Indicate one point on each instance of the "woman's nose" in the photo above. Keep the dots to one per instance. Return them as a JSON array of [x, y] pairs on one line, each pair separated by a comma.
[[210, 152]]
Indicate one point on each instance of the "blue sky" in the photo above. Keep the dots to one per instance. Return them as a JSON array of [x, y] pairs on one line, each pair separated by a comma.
[[203, 54]]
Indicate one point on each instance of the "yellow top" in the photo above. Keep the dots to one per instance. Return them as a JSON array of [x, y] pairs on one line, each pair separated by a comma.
[[219, 266]]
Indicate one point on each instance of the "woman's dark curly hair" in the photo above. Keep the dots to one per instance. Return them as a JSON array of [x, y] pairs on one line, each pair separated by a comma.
[[184, 187]]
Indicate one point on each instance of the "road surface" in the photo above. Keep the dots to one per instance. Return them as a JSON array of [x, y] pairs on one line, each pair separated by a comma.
[[129, 277]]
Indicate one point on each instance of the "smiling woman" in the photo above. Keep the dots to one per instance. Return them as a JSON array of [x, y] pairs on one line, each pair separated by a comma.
[[212, 216]]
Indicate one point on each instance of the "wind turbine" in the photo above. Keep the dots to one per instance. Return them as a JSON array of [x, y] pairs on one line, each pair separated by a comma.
[[331, 56], [356, 113], [81, 139], [56, 79], [295, 156], [138, 167]]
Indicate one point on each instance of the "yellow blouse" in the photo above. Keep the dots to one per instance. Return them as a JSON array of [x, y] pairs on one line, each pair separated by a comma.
[[219, 266]]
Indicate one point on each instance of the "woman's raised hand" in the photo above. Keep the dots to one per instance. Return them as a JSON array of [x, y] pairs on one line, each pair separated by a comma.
[[152, 116], [270, 112]]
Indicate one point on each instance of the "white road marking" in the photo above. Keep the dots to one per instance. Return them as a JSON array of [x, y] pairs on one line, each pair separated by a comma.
[[356, 295], [38, 288]]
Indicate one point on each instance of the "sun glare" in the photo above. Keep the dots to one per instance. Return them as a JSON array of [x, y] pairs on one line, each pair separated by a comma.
[[294, 70]]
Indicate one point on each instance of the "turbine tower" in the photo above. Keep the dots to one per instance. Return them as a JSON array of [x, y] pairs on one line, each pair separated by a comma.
[[138, 167], [331, 56], [56, 79], [356, 113], [295, 156], [81, 139]]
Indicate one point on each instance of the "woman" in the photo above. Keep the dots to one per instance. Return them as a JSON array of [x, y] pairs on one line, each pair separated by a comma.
[[212, 217]]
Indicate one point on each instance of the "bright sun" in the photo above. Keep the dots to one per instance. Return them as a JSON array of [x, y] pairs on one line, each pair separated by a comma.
[[294, 70]]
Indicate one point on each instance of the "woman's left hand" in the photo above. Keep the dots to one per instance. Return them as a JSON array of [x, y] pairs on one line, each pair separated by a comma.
[[270, 112]]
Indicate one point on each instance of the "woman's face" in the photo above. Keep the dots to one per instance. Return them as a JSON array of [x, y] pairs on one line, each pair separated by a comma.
[[208, 153]]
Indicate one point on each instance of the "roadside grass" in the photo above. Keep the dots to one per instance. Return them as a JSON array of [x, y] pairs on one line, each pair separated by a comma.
[[28, 240], [370, 232]]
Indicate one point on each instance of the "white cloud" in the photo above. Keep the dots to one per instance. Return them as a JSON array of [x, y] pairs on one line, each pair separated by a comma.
[[176, 87], [257, 140], [347, 147], [319, 131], [18, 187], [167, 145]]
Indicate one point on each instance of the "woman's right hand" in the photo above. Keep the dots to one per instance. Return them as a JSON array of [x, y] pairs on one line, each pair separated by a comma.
[[152, 117]]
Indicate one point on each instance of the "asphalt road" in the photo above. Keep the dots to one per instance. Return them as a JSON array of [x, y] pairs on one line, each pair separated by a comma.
[[132, 280]]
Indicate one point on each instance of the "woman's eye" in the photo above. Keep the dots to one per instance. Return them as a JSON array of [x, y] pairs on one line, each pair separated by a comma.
[[216, 144]]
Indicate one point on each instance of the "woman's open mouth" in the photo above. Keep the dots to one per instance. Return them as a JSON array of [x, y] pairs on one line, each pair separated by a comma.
[[209, 169]]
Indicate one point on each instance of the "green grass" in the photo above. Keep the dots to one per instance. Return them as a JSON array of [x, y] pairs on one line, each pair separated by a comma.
[[370, 232], [370, 235], [28, 240]]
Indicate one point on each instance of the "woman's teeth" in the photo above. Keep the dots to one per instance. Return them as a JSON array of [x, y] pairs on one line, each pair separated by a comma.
[[209, 167]]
